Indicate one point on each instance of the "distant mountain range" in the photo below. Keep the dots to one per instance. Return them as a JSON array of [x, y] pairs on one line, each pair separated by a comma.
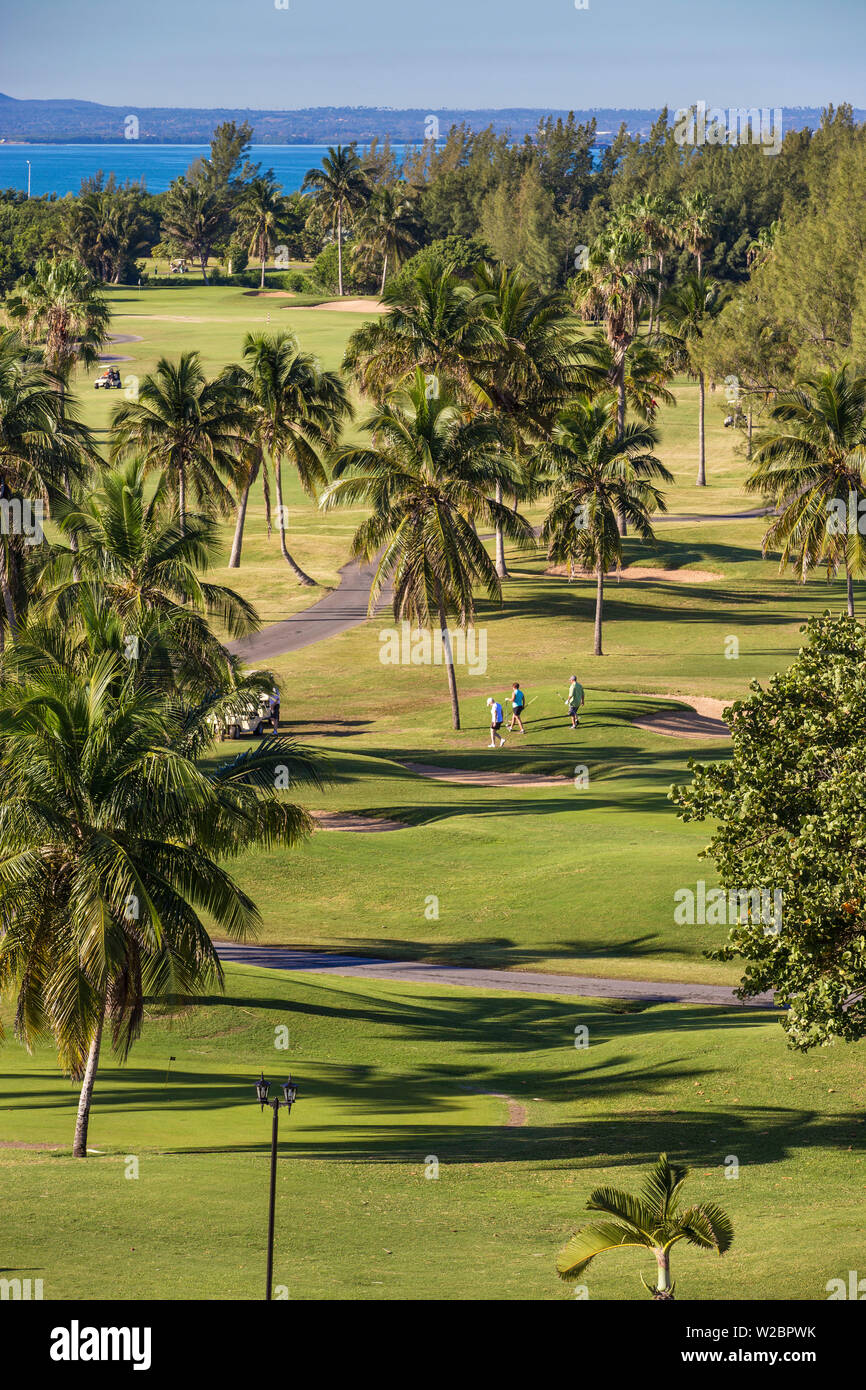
[[87, 122]]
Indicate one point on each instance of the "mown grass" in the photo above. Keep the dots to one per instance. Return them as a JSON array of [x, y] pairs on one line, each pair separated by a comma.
[[392, 1076]]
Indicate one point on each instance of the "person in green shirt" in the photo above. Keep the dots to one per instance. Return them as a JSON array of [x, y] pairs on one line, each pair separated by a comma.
[[576, 698]]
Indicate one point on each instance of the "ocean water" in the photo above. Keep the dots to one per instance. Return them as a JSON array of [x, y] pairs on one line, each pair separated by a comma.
[[60, 168]]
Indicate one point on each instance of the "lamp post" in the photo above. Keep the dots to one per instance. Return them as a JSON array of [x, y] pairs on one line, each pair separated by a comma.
[[290, 1093]]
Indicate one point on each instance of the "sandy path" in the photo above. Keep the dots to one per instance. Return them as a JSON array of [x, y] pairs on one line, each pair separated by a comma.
[[482, 779], [472, 977]]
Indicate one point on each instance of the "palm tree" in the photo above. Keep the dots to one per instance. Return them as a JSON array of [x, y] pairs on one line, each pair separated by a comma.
[[41, 444], [526, 363], [598, 476], [261, 217], [810, 465], [614, 287], [651, 1221], [433, 323], [760, 249], [647, 372], [427, 475], [688, 310], [388, 230], [134, 557], [193, 218], [186, 426], [111, 837], [61, 307], [340, 189], [649, 214], [695, 218], [293, 410]]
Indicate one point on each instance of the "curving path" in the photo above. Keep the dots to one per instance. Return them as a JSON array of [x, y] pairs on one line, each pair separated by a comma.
[[476, 977], [342, 608]]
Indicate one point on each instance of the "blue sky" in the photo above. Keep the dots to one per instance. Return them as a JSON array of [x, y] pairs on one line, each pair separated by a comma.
[[435, 53]]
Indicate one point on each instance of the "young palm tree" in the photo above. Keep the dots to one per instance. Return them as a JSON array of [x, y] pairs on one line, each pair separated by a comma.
[[525, 363], [652, 1221], [340, 189], [186, 426], [599, 475], [687, 311], [810, 464], [293, 410], [695, 220], [134, 557], [261, 217], [647, 373], [388, 230], [112, 837], [427, 475]]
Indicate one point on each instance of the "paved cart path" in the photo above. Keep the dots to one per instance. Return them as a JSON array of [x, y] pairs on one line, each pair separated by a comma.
[[474, 977]]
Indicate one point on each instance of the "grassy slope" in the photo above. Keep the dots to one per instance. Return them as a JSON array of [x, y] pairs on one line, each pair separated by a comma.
[[392, 1074]]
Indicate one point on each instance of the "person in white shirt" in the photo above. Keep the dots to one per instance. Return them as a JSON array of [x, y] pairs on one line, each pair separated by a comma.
[[495, 721]]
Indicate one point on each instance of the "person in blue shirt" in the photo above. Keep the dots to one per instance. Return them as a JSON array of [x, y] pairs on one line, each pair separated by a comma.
[[518, 703], [495, 721]]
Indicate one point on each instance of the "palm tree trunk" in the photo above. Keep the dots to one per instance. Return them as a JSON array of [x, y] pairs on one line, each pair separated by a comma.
[[262, 250], [340, 249], [6, 584], [181, 498], [237, 542], [599, 602], [749, 436], [299, 574], [702, 462], [621, 523], [384, 273], [849, 578], [449, 666], [202, 258], [67, 486], [700, 263], [663, 1291], [79, 1144], [501, 568], [659, 285]]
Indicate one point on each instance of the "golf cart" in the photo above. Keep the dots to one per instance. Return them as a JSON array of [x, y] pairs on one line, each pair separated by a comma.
[[108, 380], [254, 723]]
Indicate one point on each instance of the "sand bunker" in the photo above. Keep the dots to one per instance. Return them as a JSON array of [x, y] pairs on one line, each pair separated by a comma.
[[481, 779], [348, 306], [344, 820], [703, 718], [640, 572]]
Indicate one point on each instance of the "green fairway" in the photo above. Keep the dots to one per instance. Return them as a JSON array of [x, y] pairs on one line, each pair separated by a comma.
[[392, 1076]]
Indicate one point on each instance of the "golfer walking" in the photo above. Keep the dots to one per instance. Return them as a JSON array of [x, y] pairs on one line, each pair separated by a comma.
[[495, 721], [576, 698], [518, 704]]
